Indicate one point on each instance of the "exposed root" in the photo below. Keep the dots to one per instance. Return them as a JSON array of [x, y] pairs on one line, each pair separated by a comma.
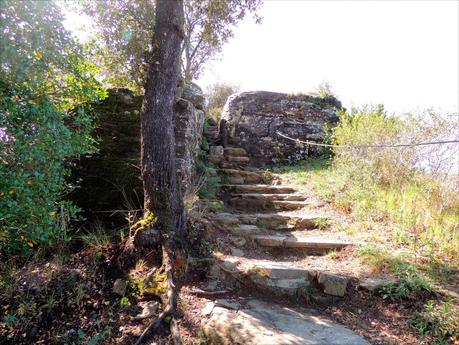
[[171, 303], [175, 333]]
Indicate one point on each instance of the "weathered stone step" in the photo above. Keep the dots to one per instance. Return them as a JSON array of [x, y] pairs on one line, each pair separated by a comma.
[[276, 221], [231, 165], [237, 176], [288, 205], [235, 151], [261, 202], [234, 140], [269, 197], [245, 230], [212, 131], [258, 188], [238, 159], [265, 323], [269, 221], [280, 278], [315, 243]]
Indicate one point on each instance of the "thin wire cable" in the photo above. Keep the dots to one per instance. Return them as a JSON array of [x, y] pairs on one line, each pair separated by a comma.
[[369, 146]]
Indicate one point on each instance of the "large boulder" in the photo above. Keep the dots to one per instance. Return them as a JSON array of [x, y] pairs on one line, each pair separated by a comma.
[[193, 93], [252, 120]]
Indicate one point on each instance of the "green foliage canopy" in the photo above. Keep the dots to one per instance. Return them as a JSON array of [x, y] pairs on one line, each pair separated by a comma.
[[125, 30], [218, 93]]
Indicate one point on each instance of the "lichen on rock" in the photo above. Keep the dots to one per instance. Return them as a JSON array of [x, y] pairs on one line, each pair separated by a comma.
[[252, 120]]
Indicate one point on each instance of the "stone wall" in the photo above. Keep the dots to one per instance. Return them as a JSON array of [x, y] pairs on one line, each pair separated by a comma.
[[111, 178], [189, 123], [251, 120]]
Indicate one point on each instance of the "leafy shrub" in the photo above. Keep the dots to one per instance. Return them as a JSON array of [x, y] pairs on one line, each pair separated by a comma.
[[217, 95], [45, 83], [440, 321], [409, 286], [408, 186]]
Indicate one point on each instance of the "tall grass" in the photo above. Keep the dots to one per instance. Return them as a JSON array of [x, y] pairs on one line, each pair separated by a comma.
[[414, 187], [411, 191]]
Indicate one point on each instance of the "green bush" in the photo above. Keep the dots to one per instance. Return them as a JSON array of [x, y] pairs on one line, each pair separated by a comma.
[[406, 186], [440, 321], [45, 84], [409, 286]]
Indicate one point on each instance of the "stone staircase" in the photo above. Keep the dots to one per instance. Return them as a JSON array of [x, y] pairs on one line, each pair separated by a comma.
[[262, 220], [272, 217]]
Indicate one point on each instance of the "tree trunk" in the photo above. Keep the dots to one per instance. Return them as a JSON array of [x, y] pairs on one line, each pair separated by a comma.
[[159, 173], [163, 195]]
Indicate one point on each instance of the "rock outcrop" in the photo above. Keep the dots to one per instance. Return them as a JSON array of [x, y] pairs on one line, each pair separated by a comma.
[[189, 123], [264, 323], [253, 119], [111, 178]]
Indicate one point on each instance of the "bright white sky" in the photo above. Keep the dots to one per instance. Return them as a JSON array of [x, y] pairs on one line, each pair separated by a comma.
[[401, 53], [404, 54]]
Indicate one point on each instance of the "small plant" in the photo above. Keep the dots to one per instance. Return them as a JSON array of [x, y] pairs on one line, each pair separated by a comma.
[[124, 302], [385, 260], [136, 286], [333, 254], [97, 237], [11, 320], [184, 302], [79, 293], [98, 256], [202, 340], [409, 286], [322, 223], [306, 292], [440, 321]]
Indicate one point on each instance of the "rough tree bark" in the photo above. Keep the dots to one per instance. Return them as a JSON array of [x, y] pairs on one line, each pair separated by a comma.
[[162, 193], [159, 173]]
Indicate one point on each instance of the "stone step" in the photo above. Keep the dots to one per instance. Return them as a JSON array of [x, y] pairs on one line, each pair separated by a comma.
[[231, 165], [254, 205], [237, 176], [277, 221], [234, 141], [238, 159], [269, 221], [303, 242], [287, 280], [211, 131], [269, 197], [281, 278], [257, 322], [289, 205], [260, 202], [257, 204], [245, 230], [257, 188], [235, 151]]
